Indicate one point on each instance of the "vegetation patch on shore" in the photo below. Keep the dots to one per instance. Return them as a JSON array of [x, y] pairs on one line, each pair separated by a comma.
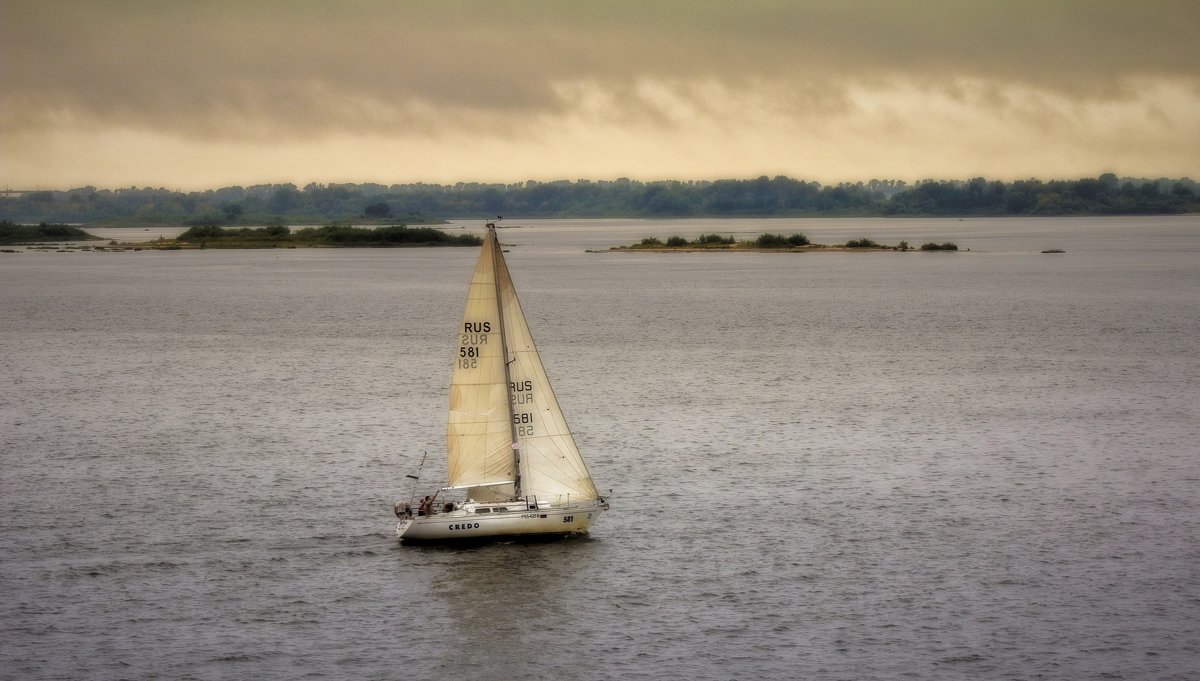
[[333, 235], [12, 233], [336, 235], [796, 242], [945, 246]]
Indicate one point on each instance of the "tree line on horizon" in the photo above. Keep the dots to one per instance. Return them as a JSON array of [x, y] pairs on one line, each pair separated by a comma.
[[420, 203]]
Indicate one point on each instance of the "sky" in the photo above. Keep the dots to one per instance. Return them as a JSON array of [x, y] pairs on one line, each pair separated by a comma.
[[192, 94]]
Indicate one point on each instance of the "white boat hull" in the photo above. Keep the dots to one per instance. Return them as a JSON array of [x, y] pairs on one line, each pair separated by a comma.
[[461, 525]]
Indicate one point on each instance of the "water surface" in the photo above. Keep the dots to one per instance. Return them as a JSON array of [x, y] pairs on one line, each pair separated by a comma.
[[824, 466]]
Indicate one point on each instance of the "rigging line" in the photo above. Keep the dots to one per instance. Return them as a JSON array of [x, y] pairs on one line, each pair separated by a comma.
[[417, 479], [430, 429], [498, 266]]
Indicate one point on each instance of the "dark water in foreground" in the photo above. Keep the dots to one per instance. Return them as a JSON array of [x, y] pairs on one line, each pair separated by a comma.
[[834, 466]]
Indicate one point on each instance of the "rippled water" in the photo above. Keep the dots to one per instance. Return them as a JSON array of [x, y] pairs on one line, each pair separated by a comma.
[[825, 466]]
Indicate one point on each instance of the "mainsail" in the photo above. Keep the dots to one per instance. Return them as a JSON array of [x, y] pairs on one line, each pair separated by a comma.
[[506, 433]]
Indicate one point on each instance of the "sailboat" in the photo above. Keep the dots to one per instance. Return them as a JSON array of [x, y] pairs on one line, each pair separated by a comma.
[[513, 468]]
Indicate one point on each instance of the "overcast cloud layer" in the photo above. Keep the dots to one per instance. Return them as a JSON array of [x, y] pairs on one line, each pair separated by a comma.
[[198, 94]]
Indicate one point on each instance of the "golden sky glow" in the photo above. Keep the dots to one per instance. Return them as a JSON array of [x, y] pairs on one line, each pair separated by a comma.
[[193, 94]]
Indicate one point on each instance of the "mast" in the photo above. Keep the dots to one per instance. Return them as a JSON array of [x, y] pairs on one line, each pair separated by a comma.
[[497, 257]]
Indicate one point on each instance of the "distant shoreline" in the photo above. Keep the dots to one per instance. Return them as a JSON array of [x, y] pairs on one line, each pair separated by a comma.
[[772, 243], [337, 235], [819, 248], [779, 196]]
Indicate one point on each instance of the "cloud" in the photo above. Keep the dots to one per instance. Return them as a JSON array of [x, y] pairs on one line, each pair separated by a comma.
[[308, 72]]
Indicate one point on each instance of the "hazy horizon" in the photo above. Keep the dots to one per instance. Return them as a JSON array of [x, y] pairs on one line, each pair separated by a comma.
[[601, 181], [205, 95]]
